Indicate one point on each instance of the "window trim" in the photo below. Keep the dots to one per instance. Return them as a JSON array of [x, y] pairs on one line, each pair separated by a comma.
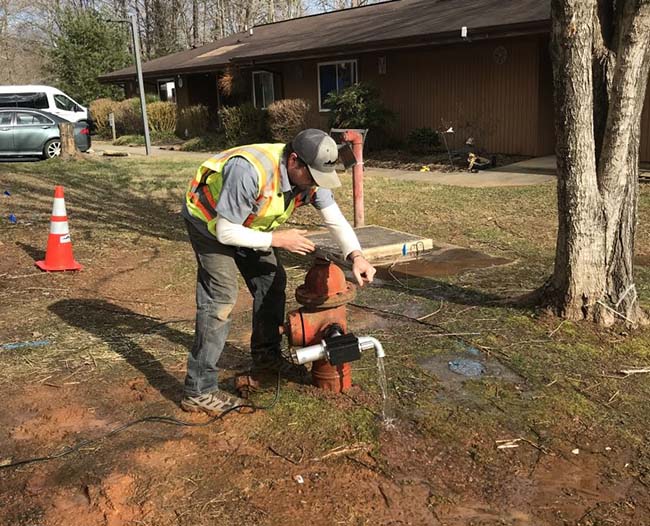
[[337, 62], [265, 72], [166, 80], [74, 104], [16, 123]]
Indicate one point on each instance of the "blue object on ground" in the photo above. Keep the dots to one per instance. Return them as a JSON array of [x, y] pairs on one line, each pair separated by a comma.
[[19, 345], [7, 194], [13, 219], [467, 367], [404, 251]]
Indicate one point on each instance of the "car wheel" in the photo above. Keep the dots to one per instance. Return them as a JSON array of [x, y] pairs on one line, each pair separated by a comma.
[[52, 148]]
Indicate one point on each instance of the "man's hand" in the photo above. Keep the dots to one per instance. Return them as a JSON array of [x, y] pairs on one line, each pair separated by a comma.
[[293, 240], [363, 271]]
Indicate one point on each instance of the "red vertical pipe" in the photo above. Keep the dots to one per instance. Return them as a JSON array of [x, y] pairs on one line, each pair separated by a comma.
[[356, 139]]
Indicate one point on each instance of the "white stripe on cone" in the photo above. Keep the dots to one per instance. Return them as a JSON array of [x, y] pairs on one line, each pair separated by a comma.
[[58, 255], [58, 208], [59, 227]]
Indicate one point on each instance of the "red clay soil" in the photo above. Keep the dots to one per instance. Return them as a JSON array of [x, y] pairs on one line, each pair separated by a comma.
[[159, 475]]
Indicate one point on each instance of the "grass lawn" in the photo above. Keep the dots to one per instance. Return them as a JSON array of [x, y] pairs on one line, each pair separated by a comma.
[[117, 335]]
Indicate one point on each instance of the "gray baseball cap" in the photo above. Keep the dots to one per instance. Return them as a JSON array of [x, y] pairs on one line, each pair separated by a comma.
[[320, 153]]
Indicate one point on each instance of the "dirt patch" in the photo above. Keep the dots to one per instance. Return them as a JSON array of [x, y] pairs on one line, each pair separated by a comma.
[[118, 334]]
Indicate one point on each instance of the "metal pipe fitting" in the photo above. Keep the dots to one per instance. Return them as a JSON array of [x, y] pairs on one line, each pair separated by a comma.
[[368, 342], [320, 351], [310, 353]]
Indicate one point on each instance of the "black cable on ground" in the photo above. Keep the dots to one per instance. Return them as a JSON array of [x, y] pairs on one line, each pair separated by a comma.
[[153, 419]]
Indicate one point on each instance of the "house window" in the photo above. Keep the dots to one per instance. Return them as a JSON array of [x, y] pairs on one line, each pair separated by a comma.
[[263, 93], [333, 77], [167, 90]]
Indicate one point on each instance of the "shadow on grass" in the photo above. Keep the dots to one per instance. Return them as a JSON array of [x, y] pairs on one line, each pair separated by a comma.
[[433, 289], [120, 329], [107, 196], [36, 254]]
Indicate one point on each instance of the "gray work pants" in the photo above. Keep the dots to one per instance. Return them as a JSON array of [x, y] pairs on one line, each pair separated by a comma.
[[216, 293]]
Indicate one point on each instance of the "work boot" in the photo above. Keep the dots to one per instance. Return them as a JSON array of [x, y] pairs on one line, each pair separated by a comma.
[[214, 403], [276, 363]]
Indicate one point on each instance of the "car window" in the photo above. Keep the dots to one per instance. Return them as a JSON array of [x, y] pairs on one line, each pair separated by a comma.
[[39, 101], [64, 103], [5, 118], [23, 118], [7, 101]]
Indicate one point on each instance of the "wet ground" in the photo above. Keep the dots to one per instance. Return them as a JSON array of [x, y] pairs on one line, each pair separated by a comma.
[[117, 337], [443, 262]]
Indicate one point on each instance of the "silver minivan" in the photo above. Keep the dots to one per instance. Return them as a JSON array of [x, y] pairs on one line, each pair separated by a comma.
[[44, 98]]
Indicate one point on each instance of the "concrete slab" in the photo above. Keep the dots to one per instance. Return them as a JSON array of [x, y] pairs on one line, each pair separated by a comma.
[[537, 165], [378, 243]]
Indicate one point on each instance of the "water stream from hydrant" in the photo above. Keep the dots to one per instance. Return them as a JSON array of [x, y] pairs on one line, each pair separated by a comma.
[[386, 414]]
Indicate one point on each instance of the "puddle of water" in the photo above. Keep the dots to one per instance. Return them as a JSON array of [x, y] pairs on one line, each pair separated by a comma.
[[445, 262], [470, 368], [457, 367]]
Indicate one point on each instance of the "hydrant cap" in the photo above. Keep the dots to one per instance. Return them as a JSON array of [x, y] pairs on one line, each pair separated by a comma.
[[325, 286]]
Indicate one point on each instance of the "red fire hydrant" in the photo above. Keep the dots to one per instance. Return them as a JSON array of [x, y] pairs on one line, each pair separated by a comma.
[[323, 314]]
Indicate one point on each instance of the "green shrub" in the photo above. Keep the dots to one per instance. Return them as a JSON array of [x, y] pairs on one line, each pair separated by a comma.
[[156, 137], [164, 137], [211, 142], [128, 117], [192, 121], [286, 118], [100, 110], [243, 124], [360, 106], [162, 116], [423, 140], [129, 140]]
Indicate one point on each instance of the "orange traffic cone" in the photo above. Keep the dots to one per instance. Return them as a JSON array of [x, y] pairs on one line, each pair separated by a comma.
[[58, 255]]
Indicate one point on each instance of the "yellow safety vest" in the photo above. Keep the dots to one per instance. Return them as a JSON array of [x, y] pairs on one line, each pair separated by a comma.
[[204, 189]]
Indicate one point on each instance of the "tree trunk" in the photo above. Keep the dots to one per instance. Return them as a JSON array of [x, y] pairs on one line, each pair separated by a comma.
[[68, 146], [195, 22], [600, 62]]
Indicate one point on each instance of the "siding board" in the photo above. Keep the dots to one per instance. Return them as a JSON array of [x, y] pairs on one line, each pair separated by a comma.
[[507, 107]]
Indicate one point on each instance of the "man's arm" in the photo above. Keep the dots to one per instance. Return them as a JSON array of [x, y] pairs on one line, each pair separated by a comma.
[[292, 239], [237, 201], [347, 240]]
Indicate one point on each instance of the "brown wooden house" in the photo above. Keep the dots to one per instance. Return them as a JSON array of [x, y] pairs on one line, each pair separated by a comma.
[[479, 66]]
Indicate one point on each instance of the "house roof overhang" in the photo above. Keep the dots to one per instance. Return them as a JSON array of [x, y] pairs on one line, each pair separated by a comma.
[[421, 41], [396, 24]]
